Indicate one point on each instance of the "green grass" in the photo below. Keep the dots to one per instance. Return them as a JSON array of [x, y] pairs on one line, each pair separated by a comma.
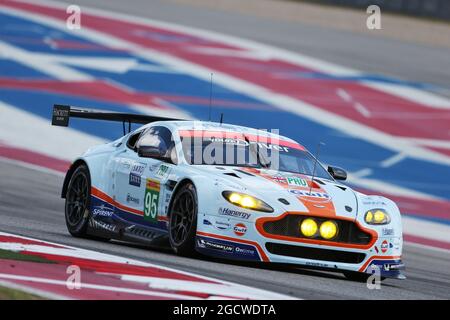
[[13, 294], [13, 255]]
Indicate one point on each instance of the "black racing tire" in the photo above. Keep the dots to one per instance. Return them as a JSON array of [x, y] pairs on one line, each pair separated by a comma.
[[78, 202], [183, 221], [358, 276]]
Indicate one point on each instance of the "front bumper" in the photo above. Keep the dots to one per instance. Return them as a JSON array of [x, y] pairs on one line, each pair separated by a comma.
[[382, 255]]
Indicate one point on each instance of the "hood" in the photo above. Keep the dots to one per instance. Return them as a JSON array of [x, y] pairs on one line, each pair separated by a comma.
[[291, 192]]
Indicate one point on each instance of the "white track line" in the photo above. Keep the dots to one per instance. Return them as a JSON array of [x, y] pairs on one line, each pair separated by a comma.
[[24, 130], [426, 229], [99, 287]]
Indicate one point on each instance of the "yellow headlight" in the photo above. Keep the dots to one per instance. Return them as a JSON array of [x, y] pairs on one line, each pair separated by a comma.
[[235, 198], [328, 229], [369, 217], [246, 201], [377, 216], [308, 227]]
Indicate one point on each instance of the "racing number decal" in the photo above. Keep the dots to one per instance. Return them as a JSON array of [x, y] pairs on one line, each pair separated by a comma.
[[151, 200]]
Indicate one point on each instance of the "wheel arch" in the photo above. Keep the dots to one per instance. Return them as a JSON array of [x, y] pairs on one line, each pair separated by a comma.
[[179, 184], [69, 174]]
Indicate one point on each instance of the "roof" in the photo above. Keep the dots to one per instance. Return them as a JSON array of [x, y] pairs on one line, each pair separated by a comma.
[[224, 127]]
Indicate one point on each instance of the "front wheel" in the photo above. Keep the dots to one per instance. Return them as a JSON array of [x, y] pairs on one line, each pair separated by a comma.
[[183, 221], [77, 202]]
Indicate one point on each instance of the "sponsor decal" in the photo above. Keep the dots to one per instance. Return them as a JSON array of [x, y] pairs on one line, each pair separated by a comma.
[[219, 225], [102, 211], [387, 231], [168, 196], [243, 143], [374, 203], [215, 246], [244, 251], [126, 164], [321, 195], [222, 225], [135, 175], [162, 171], [151, 200], [279, 179], [317, 264], [396, 243], [296, 181], [240, 229], [132, 199], [234, 213], [135, 180], [384, 246]]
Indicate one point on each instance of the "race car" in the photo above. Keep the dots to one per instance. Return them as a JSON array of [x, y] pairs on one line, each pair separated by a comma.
[[227, 191]]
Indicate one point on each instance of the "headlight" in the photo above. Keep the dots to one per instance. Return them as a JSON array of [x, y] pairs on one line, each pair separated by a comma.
[[246, 201], [377, 216], [309, 227], [328, 229]]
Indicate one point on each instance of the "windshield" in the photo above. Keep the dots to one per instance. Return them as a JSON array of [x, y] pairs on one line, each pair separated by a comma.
[[242, 152]]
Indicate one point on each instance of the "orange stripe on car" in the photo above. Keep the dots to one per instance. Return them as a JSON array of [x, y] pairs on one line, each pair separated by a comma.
[[103, 196], [364, 266]]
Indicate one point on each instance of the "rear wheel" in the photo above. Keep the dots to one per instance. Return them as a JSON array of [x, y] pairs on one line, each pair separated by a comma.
[[77, 202], [183, 221]]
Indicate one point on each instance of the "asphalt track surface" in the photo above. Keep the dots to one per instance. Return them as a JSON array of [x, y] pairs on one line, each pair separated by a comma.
[[31, 206]]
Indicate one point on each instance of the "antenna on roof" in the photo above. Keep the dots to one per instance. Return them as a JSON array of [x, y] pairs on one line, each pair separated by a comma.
[[221, 118], [210, 96]]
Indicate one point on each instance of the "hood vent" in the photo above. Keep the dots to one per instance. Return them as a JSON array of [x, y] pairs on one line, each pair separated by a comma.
[[244, 172], [319, 181], [284, 201], [340, 187], [232, 174]]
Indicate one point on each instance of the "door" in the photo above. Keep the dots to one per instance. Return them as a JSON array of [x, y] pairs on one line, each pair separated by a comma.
[[142, 175]]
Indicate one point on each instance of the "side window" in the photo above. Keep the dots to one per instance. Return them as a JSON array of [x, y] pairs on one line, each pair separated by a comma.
[[158, 137], [131, 143]]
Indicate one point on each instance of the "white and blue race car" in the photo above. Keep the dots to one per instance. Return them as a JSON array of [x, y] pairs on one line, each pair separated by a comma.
[[227, 191]]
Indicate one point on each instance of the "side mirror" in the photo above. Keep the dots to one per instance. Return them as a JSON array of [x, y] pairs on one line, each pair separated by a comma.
[[337, 173], [152, 152]]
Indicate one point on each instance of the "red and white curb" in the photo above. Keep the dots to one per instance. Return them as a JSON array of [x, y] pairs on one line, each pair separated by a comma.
[[65, 272]]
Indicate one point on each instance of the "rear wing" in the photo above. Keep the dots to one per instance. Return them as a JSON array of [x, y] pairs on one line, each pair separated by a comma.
[[62, 114]]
